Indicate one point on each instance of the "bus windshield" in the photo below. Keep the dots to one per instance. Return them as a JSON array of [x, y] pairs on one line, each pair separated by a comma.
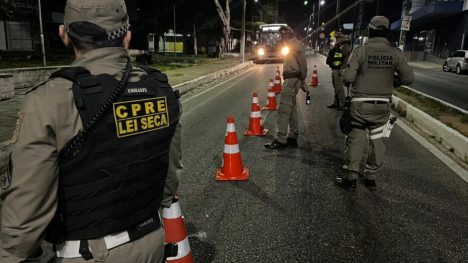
[[269, 38]]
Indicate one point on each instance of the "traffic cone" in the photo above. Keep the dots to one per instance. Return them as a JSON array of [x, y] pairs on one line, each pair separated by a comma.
[[255, 126], [271, 84], [277, 83], [314, 82], [175, 232], [232, 169], [271, 104]]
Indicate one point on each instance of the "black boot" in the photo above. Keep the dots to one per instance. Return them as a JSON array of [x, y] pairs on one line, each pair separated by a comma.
[[347, 184], [292, 142], [275, 145], [370, 184], [335, 104]]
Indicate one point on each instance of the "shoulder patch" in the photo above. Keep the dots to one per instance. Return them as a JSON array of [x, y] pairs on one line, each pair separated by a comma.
[[19, 122]]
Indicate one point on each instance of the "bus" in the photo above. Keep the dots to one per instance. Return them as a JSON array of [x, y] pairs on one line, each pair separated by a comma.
[[269, 46]]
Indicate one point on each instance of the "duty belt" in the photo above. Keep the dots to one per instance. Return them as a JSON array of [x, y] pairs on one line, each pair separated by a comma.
[[291, 75], [371, 100], [80, 248]]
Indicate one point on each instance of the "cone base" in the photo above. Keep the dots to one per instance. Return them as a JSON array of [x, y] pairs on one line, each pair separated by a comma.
[[268, 108], [239, 177], [250, 133], [187, 259]]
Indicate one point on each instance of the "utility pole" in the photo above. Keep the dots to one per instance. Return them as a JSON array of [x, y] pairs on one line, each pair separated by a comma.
[[195, 45], [242, 47], [401, 43], [311, 17], [276, 20], [42, 35], [174, 31], [338, 7]]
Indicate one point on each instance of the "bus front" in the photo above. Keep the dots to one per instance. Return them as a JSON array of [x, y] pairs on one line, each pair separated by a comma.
[[269, 46]]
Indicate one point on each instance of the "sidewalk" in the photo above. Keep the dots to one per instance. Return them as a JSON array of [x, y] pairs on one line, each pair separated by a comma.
[[9, 108]]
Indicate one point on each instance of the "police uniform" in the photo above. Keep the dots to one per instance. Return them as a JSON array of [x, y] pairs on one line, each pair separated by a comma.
[[102, 202], [371, 70], [336, 59], [294, 75]]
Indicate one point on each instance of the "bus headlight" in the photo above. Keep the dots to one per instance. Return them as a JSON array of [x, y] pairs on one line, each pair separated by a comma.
[[285, 51], [261, 52]]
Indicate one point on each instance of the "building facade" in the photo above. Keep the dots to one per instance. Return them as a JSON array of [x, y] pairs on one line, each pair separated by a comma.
[[438, 28]]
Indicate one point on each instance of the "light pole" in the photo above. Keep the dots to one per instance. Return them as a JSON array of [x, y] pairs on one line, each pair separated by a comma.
[[242, 47], [42, 35], [311, 17], [174, 31], [321, 2]]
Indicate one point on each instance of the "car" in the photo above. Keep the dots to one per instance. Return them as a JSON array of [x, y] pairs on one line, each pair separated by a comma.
[[458, 62]]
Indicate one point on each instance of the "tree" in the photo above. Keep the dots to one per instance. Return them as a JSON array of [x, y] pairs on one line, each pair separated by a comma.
[[7, 7], [225, 15]]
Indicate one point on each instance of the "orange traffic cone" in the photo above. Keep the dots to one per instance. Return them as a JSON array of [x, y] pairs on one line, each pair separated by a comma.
[[314, 82], [271, 104], [175, 232], [271, 85], [277, 84], [232, 169], [255, 126]]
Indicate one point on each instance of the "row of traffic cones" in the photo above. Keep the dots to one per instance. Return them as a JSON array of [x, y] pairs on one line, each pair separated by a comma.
[[232, 168]]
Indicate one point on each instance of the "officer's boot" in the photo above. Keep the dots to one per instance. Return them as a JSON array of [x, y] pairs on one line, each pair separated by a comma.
[[345, 182], [334, 104]]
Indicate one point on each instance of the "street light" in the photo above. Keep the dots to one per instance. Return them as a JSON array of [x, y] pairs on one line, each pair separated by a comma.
[[306, 2], [42, 34]]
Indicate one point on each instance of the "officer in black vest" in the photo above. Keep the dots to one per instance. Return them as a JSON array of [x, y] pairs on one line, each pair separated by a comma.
[[96, 152], [336, 60]]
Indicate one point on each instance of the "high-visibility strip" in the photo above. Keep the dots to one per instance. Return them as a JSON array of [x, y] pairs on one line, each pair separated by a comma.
[[377, 129], [370, 99], [255, 100], [231, 149], [69, 249], [255, 114], [376, 136], [172, 212], [230, 127], [183, 249], [271, 94]]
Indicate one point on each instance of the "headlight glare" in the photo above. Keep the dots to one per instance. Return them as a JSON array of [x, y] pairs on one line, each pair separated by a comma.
[[285, 51], [261, 52]]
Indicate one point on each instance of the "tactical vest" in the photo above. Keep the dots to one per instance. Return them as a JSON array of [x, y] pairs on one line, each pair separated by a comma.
[[338, 58], [116, 181]]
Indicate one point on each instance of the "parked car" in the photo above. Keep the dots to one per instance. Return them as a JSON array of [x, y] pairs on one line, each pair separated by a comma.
[[458, 62]]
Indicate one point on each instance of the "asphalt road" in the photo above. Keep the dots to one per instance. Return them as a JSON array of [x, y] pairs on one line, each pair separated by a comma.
[[290, 210], [446, 86]]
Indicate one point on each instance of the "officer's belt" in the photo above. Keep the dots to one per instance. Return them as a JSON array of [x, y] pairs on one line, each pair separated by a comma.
[[291, 75], [74, 248], [371, 100]]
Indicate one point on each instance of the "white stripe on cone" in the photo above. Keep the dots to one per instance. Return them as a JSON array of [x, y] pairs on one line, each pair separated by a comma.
[[230, 127], [183, 249], [172, 212], [231, 149], [255, 100], [255, 114], [271, 94], [376, 136]]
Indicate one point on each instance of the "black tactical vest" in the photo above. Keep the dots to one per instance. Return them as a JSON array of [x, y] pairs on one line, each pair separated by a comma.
[[117, 179]]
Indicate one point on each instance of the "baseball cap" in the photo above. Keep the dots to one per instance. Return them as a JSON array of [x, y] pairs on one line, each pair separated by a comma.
[[379, 23], [111, 15]]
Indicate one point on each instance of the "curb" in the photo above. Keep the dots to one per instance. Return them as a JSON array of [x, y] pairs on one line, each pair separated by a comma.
[[451, 139], [190, 85], [183, 88]]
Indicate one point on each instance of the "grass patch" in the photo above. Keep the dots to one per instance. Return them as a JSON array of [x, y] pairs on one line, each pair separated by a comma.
[[445, 114]]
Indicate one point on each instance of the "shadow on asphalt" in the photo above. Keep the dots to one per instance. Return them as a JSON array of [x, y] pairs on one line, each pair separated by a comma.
[[203, 251]]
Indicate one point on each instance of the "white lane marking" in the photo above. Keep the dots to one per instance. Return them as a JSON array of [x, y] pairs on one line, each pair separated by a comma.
[[436, 99], [219, 84], [439, 154]]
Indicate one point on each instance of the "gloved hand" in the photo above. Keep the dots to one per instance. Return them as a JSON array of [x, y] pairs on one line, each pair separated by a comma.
[[304, 86], [347, 84]]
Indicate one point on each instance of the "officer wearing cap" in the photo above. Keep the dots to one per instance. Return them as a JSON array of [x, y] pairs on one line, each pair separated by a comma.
[[294, 74], [96, 152], [336, 60], [370, 70]]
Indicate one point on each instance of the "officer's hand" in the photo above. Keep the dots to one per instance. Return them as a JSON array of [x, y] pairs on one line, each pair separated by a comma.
[[347, 84], [304, 86]]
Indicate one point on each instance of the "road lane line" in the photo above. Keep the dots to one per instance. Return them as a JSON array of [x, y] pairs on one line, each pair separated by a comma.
[[219, 84], [436, 99], [438, 153]]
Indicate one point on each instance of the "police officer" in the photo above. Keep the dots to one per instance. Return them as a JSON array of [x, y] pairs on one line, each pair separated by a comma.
[[294, 74], [96, 152], [336, 59], [371, 70]]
